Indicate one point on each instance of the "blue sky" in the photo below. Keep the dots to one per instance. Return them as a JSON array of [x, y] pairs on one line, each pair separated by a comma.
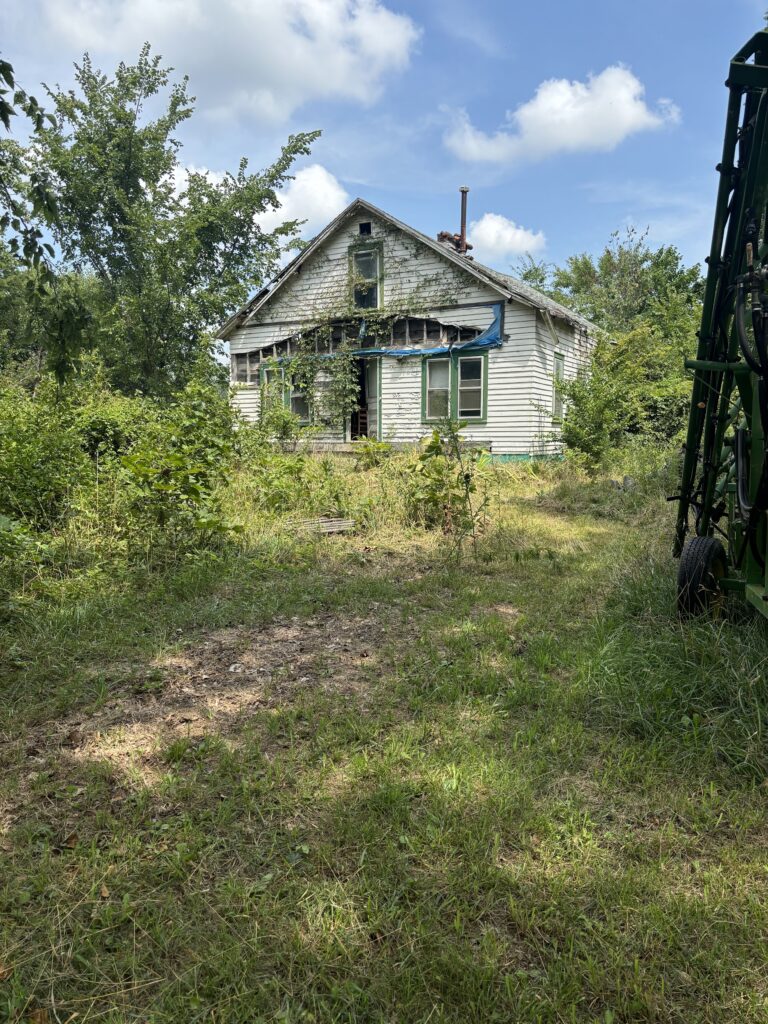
[[567, 120]]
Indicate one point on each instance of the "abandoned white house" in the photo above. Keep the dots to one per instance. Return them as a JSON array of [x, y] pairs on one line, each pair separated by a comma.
[[434, 334]]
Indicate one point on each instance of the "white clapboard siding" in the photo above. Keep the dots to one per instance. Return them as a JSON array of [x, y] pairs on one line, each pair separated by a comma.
[[245, 398], [511, 424], [248, 339], [410, 269], [575, 347]]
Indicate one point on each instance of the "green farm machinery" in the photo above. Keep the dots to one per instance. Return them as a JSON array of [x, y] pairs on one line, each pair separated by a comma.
[[724, 488]]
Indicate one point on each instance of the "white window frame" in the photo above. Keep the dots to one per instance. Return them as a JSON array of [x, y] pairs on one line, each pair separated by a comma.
[[252, 367], [430, 363], [481, 388]]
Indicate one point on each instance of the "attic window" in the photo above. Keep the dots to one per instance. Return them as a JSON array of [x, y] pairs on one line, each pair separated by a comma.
[[365, 227], [366, 269]]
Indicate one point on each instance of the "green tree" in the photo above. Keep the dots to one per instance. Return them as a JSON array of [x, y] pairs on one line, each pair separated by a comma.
[[173, 253], [649, 305], [25, 197], [630, 284], [537, 273]]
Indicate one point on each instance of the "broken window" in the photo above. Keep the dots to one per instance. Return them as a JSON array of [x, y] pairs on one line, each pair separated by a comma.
[[416, 331], [434, 330], [245, 367], [399, 332], [365, 267], [365, 227], [272, 385], [438, 388], [470, 387]]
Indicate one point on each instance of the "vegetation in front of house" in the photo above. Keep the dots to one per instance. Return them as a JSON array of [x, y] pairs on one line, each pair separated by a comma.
[[278, 777], [648, 305]]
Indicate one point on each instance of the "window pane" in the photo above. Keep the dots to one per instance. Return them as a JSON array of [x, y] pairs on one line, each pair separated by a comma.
[[241, 368], [437, 404], [470, 402], [416, 330], [470, 370], [367, 265], [433, 330], [438, 371], [557, 398], [367, 296], [398, 330], [300, 407]]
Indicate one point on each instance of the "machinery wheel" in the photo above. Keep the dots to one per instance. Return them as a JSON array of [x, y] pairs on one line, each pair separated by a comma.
[[702, 565]]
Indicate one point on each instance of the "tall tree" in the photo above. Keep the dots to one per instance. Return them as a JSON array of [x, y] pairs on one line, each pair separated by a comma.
[[630, 284], [173, 252], [649, 305]]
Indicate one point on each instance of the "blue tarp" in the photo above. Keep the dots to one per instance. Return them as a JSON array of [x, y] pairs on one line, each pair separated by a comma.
[[490, 338]]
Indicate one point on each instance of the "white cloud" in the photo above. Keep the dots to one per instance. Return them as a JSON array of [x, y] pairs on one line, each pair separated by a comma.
[[259, 57], [314, 195], [565, 117], [180, 176], [495, 238]]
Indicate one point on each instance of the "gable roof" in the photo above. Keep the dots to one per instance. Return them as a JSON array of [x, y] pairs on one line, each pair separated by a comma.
[[505, 285]]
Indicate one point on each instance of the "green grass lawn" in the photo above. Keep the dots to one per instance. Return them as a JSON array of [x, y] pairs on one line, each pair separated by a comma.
[[358, 780]]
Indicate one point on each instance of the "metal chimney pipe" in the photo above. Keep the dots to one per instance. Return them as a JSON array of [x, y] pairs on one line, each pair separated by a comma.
[[463, 236]]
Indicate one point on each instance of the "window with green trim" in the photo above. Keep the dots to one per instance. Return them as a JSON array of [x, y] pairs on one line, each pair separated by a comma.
[[557, 396], [455, 387], [470, 390], [272, 385], [438, 388], [300, 405], [366, 267]]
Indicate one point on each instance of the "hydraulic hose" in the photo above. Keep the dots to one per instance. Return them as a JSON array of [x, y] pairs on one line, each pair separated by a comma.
[[741, 330], [742, 470]]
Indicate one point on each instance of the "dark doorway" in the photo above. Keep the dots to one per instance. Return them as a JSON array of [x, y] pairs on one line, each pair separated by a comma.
[[365, 422]]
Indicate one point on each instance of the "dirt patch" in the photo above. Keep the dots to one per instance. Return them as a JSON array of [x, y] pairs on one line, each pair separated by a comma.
[[218, 685]]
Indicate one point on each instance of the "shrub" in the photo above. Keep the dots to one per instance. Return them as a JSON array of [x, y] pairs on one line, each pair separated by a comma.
[[42, 458], [370, 453], [178, 467], [444, 482]]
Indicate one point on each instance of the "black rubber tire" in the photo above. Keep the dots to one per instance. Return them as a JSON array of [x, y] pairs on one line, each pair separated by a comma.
[[702, 565]]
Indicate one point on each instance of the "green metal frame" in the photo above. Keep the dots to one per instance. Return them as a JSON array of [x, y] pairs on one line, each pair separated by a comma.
[[726, 391], [453, 386]]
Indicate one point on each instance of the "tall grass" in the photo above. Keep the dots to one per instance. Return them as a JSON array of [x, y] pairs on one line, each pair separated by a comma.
[[697, 688]]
